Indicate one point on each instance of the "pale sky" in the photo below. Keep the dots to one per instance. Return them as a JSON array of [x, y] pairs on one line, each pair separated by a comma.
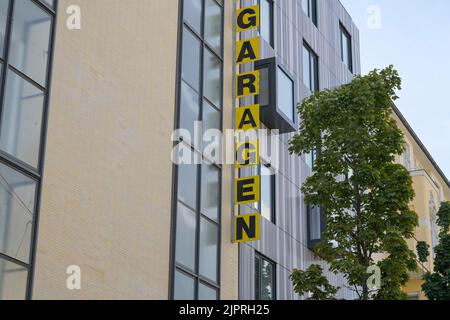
[[414, 36]]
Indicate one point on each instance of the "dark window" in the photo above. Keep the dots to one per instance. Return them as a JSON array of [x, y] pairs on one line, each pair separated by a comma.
[[265, 278], [310, 69], [278, 96], [25, 49], [196, 237], [310, 9], [346, 48], [316, 225], [266, 24]]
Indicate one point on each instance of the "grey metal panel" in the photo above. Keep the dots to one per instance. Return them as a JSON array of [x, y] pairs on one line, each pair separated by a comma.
[[285, 242]]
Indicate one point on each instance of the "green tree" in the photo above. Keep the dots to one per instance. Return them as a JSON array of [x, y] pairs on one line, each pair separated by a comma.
[[312, 281], [364, 194], [423, 252], [437, 284]]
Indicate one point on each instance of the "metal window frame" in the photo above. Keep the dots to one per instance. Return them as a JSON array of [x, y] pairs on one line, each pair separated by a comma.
[[314, 86], [344, 33], [262, 257], [314, 15], [271, 114], [173, 265], [6, 159], [311, 11], [312, 243], [271, 22]]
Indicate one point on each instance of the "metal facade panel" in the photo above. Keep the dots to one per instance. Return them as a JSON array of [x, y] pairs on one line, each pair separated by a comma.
[[285, 242]]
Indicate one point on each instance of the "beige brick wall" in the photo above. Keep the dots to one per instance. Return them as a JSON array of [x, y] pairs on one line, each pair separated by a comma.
[[106, 195], [108, 175]]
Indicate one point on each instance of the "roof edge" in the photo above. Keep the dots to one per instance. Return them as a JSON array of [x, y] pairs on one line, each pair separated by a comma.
[[420, 143]]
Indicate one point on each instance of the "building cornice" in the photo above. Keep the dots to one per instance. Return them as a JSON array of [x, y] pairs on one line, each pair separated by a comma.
[[421, 145]]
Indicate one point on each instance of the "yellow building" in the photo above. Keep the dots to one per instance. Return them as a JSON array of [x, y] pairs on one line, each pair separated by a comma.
[[431, 188]]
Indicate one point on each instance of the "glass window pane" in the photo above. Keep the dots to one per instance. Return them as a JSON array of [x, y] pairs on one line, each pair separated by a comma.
[[211, 117], [184, 287], [213, 25], [314, 70], [212, 79], [187, 177], [22, 120], [209, 236], [30, 40], [346, 48], [189, 111], [210, 192], [192, 11], [285, 94], [257, 278], [266, 21], [309, 159], [13, 281], [263, 97], [185, 237], [3, 20], [191, 59], [267, 280], [17, 198], [267, 193], [306, 68], [305, 6], [206, 292], [315, 223], [50, 3], [211, 121]]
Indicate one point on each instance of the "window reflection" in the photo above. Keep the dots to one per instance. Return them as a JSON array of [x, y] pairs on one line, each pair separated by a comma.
[[13, 281], [184, 287], [192, 11], [310, 69], [17, 198], [285, 94], [212, 79], [30, 40], [198, 212], [266, 21], [209, 238], [315, 223], [22, 120], [267, 193], [213, 25], [25, 72], [210, 192], [3, 19], [264, 278]]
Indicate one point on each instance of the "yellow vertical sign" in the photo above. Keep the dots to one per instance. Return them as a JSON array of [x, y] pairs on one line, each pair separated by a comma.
[[247, 189]]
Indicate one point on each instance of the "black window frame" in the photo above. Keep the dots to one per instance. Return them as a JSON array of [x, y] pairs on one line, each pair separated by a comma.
[[312, 11], [272, 22], [314, 85], [271, 114], [12, 162], [344, 33], [257, 279], [174, 266]]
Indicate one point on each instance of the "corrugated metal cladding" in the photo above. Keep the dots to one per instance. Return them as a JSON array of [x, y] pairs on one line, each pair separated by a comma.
[[285, 242]]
